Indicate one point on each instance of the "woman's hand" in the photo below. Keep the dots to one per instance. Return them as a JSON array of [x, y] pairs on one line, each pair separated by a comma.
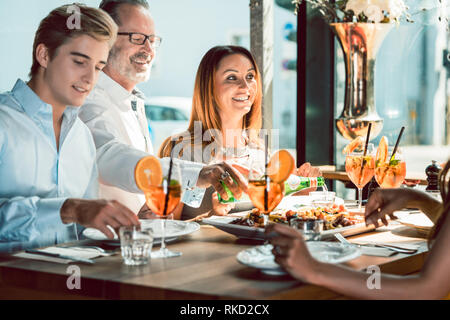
[[291, 252], [307, 170], [220, 209], [146, 213]]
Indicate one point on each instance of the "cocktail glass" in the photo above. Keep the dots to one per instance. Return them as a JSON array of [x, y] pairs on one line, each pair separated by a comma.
[[391, 173], [360, 169], [162, 199], [264, 193]]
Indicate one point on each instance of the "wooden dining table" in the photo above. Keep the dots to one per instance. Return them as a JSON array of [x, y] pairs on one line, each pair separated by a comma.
[[208, 269]]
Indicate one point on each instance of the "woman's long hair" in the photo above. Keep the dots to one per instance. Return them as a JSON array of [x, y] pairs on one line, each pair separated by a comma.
[[205, 107], [444, 186]]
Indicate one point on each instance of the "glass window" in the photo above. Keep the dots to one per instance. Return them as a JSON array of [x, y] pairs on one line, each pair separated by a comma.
[[189, 29], [19, 21], [285, 75], [412, 89]]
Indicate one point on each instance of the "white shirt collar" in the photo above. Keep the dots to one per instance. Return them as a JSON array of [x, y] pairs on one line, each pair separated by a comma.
[[115, 90]]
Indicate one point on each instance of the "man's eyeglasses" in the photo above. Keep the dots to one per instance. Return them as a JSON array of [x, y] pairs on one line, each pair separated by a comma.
[[140, 38]]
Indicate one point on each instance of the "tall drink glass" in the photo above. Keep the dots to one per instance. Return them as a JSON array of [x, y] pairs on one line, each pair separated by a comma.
[[360, 169], [264, 193], [162, 199], [391, 173]]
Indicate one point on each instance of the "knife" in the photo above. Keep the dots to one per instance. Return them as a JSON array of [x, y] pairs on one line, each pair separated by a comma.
[[390, 247], [62, 256]]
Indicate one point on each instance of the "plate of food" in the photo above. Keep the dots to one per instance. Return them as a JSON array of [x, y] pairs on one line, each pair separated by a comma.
[[250, 225], [261, 257], [173, 230]]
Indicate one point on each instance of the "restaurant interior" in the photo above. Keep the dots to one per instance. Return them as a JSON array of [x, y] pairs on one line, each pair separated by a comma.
[[365, 102]]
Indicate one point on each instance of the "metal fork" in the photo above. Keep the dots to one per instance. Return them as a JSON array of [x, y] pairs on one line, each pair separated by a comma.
[[344, 241]]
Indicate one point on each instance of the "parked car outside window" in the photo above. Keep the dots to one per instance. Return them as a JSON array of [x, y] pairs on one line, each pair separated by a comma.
[[167, 116]]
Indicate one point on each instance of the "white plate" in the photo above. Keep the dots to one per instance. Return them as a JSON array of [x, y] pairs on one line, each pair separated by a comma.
[[261, 257], [417, 220], [174, 229]]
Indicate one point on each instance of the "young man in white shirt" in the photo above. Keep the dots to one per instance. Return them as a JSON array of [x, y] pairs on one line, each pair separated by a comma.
[[47, 155], [115, 114]]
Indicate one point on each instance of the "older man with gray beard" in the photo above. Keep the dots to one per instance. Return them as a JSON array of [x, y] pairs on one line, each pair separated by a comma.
[[115, 114]]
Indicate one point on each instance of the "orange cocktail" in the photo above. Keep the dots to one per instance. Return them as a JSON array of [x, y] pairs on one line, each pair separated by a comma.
[[390, 170], [266, 182], [358, 173], [391, 175], [155, 198], [162, 189], [256, 193], [359, 164]]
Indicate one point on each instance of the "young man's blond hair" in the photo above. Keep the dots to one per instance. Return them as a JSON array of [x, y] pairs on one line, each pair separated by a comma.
[[58, 28]]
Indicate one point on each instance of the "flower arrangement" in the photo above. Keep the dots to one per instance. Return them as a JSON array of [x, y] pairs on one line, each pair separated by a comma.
[[379, 11]]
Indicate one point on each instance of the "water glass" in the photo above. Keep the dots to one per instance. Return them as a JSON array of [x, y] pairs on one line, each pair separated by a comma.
[[136, 245], [311, 229], [322, 198]]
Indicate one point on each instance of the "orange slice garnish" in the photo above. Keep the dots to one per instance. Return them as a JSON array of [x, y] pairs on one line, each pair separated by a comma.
[[148, 172], [382, 151], [280, 166], [357, 142]]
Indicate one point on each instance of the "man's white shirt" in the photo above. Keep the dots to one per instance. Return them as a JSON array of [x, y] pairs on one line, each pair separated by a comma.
[[118, 124]]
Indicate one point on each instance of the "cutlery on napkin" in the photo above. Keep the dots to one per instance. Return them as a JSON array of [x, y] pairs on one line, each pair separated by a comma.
[[374, 251], [62, 255]]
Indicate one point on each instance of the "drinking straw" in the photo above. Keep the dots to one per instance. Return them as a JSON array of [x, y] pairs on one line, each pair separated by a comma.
[[266, 194], [396, 144], [166, 200], [365, 151], [367, 138]]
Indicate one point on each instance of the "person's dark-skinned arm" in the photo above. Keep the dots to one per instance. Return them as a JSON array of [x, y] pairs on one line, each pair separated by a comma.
[[383, 202], [433, 282]]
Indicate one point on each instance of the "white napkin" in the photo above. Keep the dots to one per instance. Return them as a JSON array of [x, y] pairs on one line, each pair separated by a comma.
[[41, 257], [374, 251], [76, 252]]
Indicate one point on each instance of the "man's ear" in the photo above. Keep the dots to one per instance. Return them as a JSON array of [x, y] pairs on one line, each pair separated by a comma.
[[42, 55]]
